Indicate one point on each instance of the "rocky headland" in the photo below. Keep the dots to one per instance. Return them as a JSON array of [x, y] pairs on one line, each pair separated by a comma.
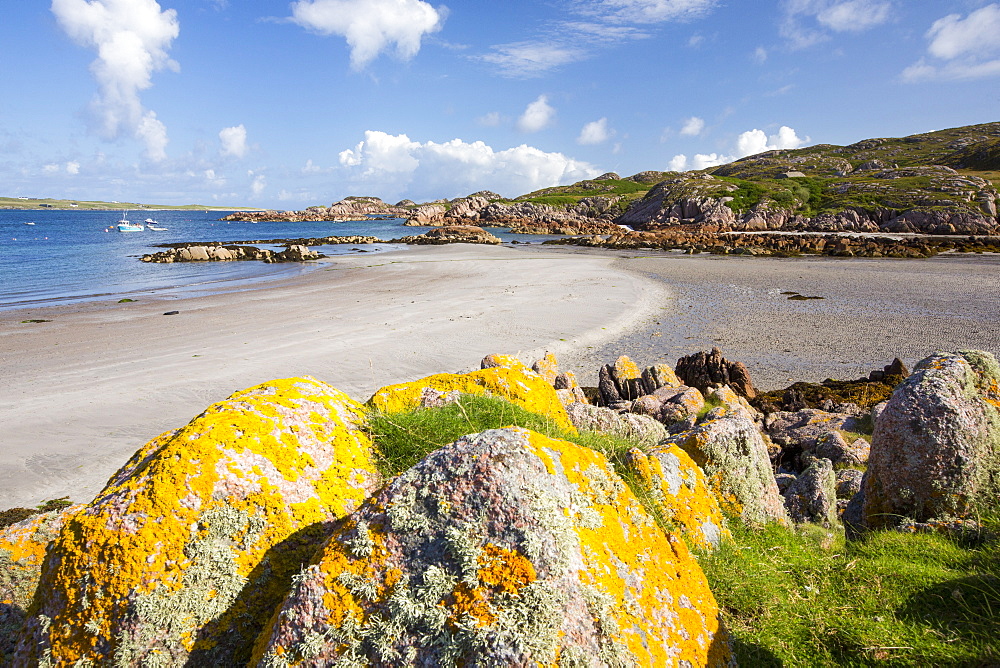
[[941, 183], [274, 529]]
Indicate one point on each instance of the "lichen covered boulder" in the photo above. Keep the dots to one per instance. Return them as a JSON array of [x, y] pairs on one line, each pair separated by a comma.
[[515, 383], [505, 548], [22, 552], [935, 452], [640, 428], [813, 495], [679, 490], [185, 553], [732, 453]]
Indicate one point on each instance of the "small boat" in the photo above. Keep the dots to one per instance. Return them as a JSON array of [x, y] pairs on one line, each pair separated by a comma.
[[151, 225], [125, 226], [29, 223]]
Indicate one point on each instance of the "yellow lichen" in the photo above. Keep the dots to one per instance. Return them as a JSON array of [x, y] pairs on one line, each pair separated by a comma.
[[681, 493], [269, 463], [518, 385]]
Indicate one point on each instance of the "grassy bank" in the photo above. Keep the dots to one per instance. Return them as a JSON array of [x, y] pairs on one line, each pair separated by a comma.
[[801, 597]]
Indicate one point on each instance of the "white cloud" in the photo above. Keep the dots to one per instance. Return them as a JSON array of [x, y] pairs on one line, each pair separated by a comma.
[[648, 11], [490, 120], [72, 167], [693, 127], [530, 59], [537, 116], [962, 48], [258, 184], [398, 166], [595, 132], [807, 22], [680, 163], [854, 15], [593, 24], [750, 142], [759, 55], [234, 141], [756, 141], [50, 168], [371, 26], [132, 39]]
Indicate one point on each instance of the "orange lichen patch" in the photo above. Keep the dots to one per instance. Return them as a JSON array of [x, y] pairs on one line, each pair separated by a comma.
[[505, 570], [648, 595], [547, 368], [508, 361], [22, 552], [682, 494], [471, 601], [24, 543], [189, 547], [625, 368], [518, 385]]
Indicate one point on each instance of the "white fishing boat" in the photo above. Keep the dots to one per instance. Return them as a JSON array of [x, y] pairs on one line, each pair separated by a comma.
[[125, 226], [152, 225]]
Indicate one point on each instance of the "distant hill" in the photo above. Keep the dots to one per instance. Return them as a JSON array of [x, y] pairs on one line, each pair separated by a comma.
[[34, 203]]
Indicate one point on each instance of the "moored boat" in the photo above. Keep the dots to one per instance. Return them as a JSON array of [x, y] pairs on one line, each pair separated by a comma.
[[125, 226]]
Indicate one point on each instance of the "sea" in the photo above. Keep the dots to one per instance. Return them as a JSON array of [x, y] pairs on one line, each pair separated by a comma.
[[72, 256]]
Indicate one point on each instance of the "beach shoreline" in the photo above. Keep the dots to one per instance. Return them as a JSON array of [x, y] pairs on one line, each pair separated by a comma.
[[85, 390]]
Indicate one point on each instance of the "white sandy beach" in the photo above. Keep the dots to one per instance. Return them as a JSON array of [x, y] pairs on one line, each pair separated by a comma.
[[81, 393]]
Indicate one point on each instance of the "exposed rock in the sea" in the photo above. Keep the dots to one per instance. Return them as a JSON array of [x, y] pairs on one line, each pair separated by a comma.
[[705, 370], [935, 451], [681, 494], [450, 234], [732, 453], [193, 543], [503, 548], [195, 253]]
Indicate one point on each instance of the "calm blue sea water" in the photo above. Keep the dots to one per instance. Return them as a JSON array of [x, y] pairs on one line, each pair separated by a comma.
[[68, 256]]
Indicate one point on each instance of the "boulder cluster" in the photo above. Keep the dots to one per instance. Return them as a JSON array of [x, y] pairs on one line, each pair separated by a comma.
[[262, 532], [220, 253], [708, 239]]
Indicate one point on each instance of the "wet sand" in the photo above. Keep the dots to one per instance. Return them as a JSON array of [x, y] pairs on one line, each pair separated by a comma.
[[872, 311]]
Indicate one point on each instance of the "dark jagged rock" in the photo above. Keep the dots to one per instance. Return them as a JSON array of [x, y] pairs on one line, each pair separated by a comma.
[[704, 370]]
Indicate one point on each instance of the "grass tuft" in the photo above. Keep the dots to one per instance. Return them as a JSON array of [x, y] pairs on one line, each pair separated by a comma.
[[807, 598]]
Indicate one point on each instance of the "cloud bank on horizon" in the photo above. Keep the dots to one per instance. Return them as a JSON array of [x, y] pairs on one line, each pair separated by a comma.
[[408, 99]]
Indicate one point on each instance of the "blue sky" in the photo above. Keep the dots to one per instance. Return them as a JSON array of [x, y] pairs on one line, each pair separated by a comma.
[[290, 104]]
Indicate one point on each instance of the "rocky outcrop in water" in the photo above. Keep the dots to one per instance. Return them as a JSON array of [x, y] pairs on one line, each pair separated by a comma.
[[212, 253], [451, 234]]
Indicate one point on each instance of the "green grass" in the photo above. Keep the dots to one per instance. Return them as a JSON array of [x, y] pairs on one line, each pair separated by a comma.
[[809, 599], [789, 598], [403, 439]]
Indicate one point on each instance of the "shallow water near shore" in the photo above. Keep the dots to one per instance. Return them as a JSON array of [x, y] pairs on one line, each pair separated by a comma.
[[67, 257]]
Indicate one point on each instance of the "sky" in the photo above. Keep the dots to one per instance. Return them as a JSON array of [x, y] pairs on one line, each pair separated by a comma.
[[279, 104]]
